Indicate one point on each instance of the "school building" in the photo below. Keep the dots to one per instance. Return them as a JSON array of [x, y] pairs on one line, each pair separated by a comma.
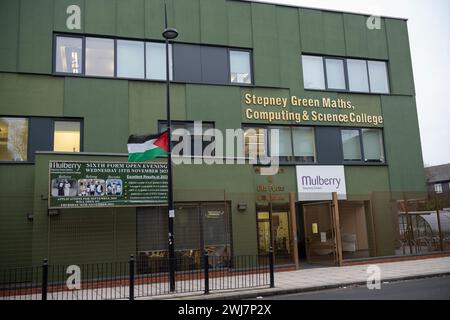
[[78, 77]]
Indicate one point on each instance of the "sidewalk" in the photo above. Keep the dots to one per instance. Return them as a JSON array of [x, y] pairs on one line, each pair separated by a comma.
[[330, 277]]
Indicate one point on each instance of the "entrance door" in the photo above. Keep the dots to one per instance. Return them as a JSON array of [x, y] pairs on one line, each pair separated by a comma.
[[274, 231], [320, 233]]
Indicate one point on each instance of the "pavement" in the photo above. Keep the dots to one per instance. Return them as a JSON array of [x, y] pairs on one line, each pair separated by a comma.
[[315, 279]]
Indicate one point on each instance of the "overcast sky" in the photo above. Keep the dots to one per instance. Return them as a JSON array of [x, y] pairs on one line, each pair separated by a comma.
[[429, 37]]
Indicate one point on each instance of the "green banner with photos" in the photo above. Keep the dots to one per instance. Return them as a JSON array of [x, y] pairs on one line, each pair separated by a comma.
[[79, 184]]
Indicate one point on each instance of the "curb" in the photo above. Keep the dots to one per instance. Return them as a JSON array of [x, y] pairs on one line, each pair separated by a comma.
[[275, 292]]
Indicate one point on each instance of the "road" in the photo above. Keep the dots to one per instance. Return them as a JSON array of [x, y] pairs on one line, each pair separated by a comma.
[[437, 288]]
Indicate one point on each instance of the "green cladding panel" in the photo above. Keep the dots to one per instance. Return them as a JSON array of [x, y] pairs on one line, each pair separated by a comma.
[[400, 64], [214, 103], [322, 32], [214, 22], [239, 24], [187, 20], [355, 35], [104, 106], [9, 34], [35, 36], [100, 17], [147, 105], [289, 48], [31, 95], [402, 142], [266, 56], [16, 201], [130, 19]]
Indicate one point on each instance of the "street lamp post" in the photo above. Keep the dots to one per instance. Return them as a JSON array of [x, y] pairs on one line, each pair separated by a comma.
[[170, 34]]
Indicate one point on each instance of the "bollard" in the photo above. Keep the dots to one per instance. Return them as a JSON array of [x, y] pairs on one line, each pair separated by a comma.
[[131, 277], [272, 276], [206, 270], [44, 279]]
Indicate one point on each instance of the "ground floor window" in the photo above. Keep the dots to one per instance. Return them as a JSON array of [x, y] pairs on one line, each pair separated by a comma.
[[198, 226], [13, 139]]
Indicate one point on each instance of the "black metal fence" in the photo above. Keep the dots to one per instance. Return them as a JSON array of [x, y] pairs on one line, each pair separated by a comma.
[[135, 279]]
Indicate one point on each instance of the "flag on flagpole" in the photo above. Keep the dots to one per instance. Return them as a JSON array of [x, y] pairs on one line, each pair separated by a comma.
[[147, 147]]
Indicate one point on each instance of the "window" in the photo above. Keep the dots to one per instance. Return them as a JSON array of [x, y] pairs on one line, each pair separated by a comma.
[[195, 139], [351, 144], [378, 77], [284, 143], [353, 75], [255, 142], [357, 75], [304, 144], [373, 145], [156, 61], [130, 59], [240, 70], [438, 187], [13, 139], [99, 57], [335, 74], [313, 75], [69, 55], [363, 145], [295, 144], [66, 137]]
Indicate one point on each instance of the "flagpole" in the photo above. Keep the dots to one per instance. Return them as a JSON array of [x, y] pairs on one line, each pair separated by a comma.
[[169, 34]]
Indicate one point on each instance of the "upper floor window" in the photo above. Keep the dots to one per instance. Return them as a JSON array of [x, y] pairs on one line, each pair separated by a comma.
[[313, 76], [438, 187], [335, 74], [156, 61], [340, 74], [69, 55], [13, 139], [362, 145], [134, 59], [130, 59], [100, 57], [358, 80], [240, 69], [295, 144], [66, 136]]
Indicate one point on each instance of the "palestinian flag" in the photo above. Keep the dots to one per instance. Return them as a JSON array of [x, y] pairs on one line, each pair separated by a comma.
[[144, 148]]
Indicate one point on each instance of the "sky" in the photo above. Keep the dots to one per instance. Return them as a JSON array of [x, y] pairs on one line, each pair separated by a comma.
[[429, 37]]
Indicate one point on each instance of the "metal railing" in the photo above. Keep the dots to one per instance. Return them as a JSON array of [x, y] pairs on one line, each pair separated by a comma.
[[136, 279]]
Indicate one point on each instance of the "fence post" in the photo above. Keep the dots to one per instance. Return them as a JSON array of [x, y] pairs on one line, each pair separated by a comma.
[[206, 270], [44, 279], [131, 277], [272, 276]]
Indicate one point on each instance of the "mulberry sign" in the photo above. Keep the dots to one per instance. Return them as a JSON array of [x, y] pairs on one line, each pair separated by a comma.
[[319, 182], [75, 184]]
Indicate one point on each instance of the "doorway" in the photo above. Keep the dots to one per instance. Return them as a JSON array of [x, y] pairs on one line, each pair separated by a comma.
[[320, 233], [274, 230]]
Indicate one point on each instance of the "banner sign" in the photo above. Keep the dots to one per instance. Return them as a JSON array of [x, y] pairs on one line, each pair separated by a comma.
[[77, 184], [319, 182]]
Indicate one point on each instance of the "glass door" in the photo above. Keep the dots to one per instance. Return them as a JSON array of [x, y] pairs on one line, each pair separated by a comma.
[[319, 233], [274, 231], [264, 236]]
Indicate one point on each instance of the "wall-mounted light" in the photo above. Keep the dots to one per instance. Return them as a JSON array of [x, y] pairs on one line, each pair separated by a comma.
[[242, 206], [30, 216]]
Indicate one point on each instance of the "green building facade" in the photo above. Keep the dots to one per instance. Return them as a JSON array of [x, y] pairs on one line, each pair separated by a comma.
[[278, 39]]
